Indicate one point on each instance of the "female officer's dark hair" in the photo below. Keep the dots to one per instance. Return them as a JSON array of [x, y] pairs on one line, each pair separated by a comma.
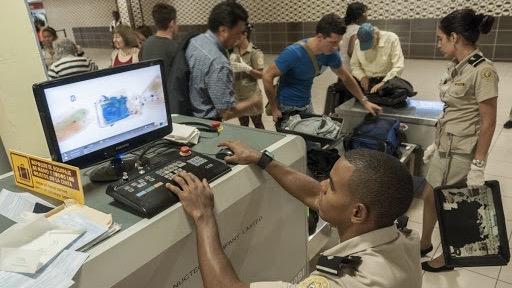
[[354, 11], [248, 29], [466, 23]]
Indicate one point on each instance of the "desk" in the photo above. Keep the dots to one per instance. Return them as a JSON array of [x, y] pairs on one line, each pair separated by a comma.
[[419, 115], [263, 229]]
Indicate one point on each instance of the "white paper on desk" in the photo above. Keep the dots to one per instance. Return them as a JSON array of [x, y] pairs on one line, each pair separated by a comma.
[[13, 205], [79, 221], [57, 274], [40, 236], [183, 134]]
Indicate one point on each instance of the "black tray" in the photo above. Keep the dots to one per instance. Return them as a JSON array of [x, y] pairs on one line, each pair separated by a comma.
[[461, 232], [308, 137]]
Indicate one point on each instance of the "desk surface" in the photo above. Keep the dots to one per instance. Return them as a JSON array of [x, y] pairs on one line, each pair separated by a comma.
[[420, 112], [96, 198], [252, 210]]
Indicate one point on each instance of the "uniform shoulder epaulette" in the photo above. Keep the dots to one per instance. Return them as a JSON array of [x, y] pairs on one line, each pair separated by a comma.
[[255, 47], [476, 60]]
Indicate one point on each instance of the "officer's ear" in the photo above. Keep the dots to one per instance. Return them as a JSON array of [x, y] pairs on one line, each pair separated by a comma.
[[359, 213]]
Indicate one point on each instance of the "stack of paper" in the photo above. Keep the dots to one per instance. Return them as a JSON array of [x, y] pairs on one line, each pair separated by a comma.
[[41, 250], [183, 134], [15, 205], [97, 225]]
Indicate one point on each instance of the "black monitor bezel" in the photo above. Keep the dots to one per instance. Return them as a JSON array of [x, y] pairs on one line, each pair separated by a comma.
[[110, 151]]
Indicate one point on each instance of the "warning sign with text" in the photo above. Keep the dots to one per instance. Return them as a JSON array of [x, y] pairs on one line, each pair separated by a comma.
[[53, 179]]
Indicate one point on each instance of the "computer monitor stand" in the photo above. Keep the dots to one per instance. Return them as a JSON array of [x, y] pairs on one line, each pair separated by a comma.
[[113, 170]]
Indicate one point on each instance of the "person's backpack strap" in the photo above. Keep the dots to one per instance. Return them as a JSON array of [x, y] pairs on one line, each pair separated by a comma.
[[311, 56]]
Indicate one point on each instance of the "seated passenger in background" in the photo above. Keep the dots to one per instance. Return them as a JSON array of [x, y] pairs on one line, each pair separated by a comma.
[[377, 57], [162, 45], [69, 63], [126, 47], [49, 37], [366, 191], [211, 76], [247, 62]]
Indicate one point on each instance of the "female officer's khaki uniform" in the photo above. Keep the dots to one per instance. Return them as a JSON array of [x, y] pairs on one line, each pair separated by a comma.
[[245, 85], [465, 85]]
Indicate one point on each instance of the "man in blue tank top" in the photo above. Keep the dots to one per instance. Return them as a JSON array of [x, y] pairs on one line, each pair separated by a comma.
[[296, 69]]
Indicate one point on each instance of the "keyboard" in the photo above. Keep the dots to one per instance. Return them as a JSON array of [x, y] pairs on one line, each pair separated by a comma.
[[144, 190]]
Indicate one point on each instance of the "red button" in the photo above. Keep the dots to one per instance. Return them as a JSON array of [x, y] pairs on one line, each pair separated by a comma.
[[185, 151], [216, 124]]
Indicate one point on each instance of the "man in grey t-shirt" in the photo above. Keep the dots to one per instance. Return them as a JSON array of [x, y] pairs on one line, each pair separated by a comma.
[[162, 45]]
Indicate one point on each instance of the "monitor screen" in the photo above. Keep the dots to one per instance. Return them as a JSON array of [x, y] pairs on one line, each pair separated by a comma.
[[92, 117]]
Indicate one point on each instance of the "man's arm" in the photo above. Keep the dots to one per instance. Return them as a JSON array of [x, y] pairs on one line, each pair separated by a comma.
[[197, 200], [355, 63], [304, 188], [354, 88], [268, 83], [351, 44], [397, 60], [220, 87]]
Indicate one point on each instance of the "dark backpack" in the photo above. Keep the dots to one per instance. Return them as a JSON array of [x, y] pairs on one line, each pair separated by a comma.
[[376, 133], [178, 84], [393, 93]]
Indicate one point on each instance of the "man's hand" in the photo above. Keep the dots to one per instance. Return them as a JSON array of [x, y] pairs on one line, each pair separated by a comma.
[[376, 88], [476, 177], [243, 154], [374, 109], [276, 114], [365, 83], [195, 195]]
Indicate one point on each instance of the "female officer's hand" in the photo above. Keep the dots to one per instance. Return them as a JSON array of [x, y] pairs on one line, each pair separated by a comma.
[[476, 177]]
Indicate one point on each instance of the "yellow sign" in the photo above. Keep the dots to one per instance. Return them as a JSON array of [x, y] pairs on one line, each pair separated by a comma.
[[53, 179]]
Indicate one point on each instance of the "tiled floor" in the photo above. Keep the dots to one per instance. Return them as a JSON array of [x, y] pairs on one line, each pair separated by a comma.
[[425, 75]]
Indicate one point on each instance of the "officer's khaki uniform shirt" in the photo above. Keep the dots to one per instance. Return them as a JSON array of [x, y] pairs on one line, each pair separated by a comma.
[[389, 259], [384, 60], [462, 88], [246, 86]]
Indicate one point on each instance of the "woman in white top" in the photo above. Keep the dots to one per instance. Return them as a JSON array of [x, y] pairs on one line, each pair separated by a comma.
[[355, 16]]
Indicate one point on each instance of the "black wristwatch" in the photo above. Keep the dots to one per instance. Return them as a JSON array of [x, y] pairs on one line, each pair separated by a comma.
[[266, 158]]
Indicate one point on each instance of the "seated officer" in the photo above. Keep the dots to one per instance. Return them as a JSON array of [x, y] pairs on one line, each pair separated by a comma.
[[377, 57], [366, 191]]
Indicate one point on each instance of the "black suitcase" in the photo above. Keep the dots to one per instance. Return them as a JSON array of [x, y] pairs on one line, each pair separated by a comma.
[[337, 94]]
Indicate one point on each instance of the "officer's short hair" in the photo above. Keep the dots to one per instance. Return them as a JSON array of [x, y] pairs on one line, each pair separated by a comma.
[[163, 14], [330, 23], [226, 13], [382, 183]]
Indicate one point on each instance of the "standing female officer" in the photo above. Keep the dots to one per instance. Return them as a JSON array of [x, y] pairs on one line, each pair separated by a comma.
[[464, 132]]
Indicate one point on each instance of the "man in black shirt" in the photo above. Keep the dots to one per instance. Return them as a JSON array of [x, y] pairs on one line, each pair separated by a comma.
[[162, 45]]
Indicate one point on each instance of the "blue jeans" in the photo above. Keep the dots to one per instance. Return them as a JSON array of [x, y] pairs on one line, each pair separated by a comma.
[[286, 109]]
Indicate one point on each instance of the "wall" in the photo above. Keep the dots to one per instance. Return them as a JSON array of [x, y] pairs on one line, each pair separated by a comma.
[[20, 67], [278, 23], [92, 15]]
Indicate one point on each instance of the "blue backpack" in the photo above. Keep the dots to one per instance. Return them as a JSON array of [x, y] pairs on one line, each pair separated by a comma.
[[375, 133]]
